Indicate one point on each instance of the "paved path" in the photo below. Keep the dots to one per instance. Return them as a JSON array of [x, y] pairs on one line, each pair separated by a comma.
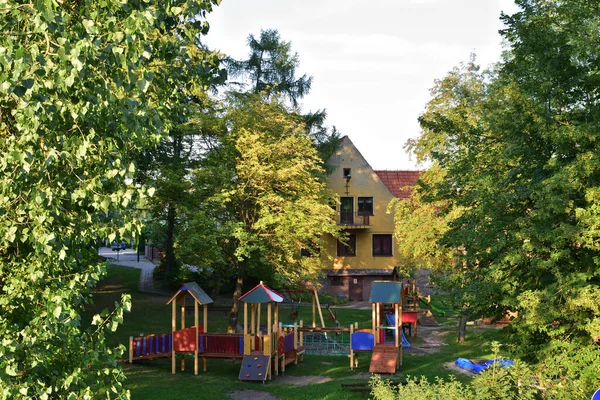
[[129, 258]]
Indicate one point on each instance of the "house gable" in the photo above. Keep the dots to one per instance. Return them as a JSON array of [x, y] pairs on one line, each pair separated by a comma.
[[363, 197]]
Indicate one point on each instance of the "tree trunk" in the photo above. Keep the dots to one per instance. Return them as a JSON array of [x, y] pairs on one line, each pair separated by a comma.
[[233, 313], [169, 251], [462, 325]]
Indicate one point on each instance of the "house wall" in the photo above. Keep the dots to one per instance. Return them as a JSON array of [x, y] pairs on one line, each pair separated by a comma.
[[344, 288], [364, 182]]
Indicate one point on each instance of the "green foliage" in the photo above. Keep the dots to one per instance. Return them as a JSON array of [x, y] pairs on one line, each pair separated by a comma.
[[270, 70], [420, 389], [262, 185], [82, 86], [271, 67], [519, 149], [419, 224], [166, 168], [324, 298], [260, 198]]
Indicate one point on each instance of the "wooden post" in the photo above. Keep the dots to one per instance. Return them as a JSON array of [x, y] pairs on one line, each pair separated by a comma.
[[205, 323], [400, 325], [247, 345], [269, 326], [196, 323], [295, 336], [258, 307], [398, 331], [314, 312], [301, 334], [276, 330], [373, 321], [276, 315], [253, 319], [316, 297], [183, 327], [173, 327], [130, 349], [415, 294], [351, 350], [378, 320]]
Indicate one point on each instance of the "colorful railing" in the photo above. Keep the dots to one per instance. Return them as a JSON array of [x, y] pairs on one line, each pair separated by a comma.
[[150, 346]]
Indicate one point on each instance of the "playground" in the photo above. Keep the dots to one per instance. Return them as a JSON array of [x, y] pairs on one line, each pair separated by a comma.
[[323, 376]]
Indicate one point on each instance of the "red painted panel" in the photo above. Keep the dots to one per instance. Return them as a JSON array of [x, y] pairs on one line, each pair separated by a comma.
[[185, 339], [409, 316]]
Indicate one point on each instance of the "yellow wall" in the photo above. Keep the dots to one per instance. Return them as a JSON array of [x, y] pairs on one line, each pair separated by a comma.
[[364, 182]]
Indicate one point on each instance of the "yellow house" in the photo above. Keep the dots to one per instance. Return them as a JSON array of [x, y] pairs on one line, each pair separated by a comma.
[[364, 194]]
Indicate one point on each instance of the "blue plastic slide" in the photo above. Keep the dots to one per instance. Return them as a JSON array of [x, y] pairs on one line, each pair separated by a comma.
[[404, 341], [478, 367], [391, 321]]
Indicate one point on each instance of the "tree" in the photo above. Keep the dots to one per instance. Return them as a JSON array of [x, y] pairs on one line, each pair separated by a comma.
[[420, 222], [166, 168], [453, 125], [526, 175], [81, 89], [270, 70], [271, 67], [261, 185]]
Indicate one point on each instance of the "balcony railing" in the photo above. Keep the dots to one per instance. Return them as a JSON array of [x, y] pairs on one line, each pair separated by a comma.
[[355, 219]]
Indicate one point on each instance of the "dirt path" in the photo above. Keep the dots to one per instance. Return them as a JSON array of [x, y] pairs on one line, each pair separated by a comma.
[[433, 338]]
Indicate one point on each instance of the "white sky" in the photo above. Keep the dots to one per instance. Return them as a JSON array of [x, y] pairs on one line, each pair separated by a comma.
[[372, 62]]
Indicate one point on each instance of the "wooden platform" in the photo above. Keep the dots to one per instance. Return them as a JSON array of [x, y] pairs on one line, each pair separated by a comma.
[[384, 359], [221, 355], [148, 357]]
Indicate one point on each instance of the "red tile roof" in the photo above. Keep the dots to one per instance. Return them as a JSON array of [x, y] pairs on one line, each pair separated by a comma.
[[396, 181]]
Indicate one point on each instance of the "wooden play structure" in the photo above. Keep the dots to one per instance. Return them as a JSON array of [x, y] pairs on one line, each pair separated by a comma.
[[276, 346], [192, 340], [196, 339], [413, 313], [259, 350], [185, 340], [386, 357]]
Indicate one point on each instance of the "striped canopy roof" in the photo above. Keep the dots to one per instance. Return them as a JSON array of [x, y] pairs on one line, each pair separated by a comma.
[[194, 290], [385, 292], [261, 294]]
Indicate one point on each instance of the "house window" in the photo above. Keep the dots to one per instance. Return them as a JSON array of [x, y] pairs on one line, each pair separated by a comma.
[[349, 249], [347, 172], [365, 205], [312, 251], [382, 245], [305, 253], [337, 281]]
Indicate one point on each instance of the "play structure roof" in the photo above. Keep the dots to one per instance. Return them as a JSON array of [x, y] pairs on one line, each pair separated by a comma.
[[194, 290], [385, 292], [261, 294]]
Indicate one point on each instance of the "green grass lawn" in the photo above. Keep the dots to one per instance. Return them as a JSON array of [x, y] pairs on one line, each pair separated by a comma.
[[153, 379]]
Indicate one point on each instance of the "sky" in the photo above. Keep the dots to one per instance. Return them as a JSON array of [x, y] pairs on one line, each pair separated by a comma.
[[373, 63]]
